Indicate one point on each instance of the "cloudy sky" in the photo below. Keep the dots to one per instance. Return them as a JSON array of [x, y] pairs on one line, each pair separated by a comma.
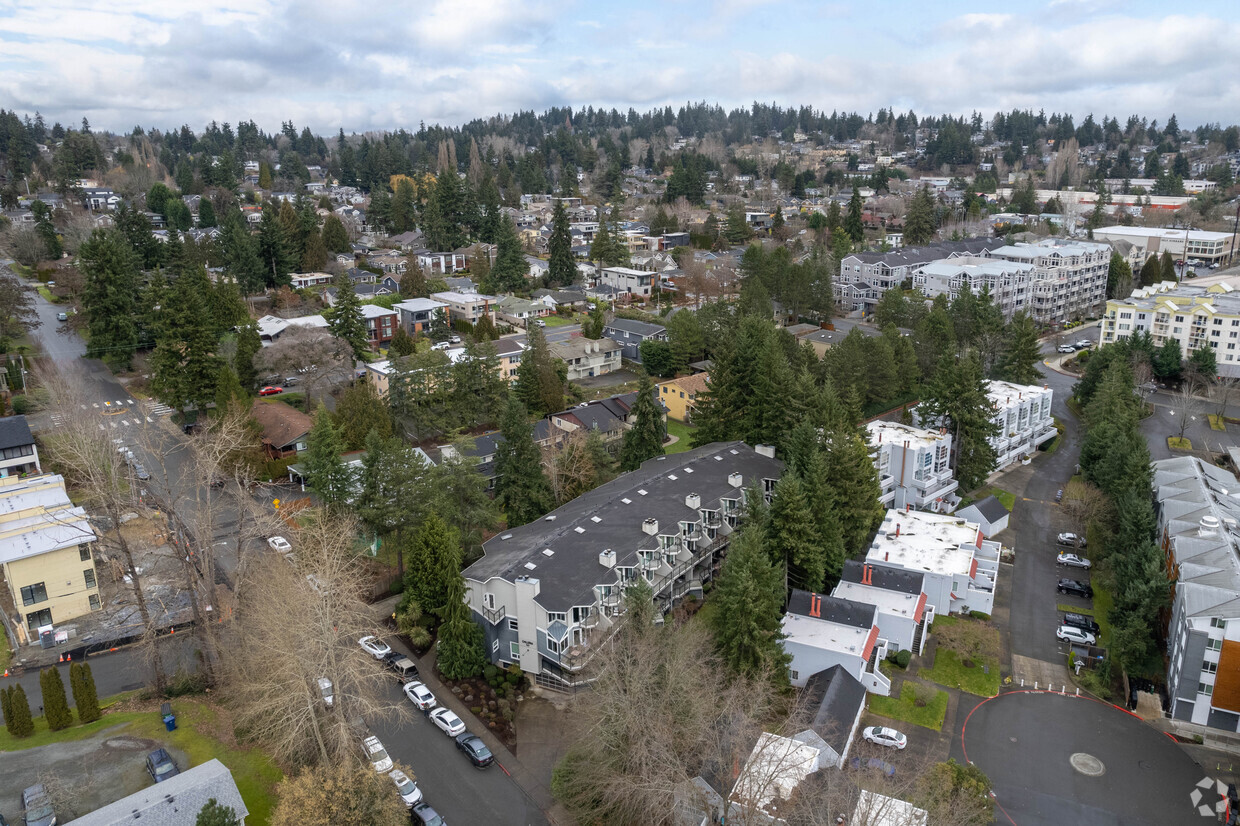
[[379, 65]]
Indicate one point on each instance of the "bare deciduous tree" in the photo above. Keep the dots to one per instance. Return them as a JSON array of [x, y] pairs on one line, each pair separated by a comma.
[[327, 359], [1186, 406]]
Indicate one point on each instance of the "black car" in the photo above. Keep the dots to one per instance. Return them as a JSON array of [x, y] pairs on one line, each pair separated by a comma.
[[1072, 586], [1082, 622], [161, 765], [475, 749]]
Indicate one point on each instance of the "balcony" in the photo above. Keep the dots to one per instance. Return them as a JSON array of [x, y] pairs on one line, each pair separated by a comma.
[[494, 615]]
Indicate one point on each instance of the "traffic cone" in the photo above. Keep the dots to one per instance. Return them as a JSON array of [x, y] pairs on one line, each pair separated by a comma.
[[69, 658], [62, 657], [6, 672]]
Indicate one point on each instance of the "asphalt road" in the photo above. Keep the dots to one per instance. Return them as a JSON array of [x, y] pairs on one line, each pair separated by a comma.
[[554, 334]]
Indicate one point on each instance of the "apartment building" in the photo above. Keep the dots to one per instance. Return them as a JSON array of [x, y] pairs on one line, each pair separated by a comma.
[[469, 307], [18, 452], [822, 631], [897, 595], [914, 466], [1023, 418], [417, 314], [626, 280], [1068, 278], [959, 567], [1195, 244], [1008, 283], [865, 276], [1198, 508], [547, 594], [1196, 317], [46, 554], [587, 357]]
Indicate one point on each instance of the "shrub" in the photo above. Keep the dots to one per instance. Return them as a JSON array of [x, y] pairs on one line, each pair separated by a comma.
[[903, 658], [489, 672], [21, 405], [980, 615], [55, 706], [419, 637]]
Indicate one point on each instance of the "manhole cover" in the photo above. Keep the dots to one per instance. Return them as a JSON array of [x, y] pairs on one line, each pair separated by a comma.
[[1087, 764]]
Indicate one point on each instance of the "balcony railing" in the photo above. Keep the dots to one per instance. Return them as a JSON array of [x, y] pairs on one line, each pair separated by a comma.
[[494, 615]]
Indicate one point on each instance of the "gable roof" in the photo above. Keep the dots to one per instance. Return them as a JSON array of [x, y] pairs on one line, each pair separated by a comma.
[[694, 383], [629, 325], [282, 425], [883, 576], [174, 802], [837, 698], [831, 609], [991, 508], [15, 432]]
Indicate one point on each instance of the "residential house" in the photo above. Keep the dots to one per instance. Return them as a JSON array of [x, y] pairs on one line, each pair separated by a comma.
[[538, 267], [680, 395], [101, 199], [362, 291], [609, 417], [45, 554], [509, 351], [305, 280], [1196, 317], [822, 631], [390, 261], [989, 514], [626, 281], [904, 618], [284, 428], [775, 768], [587, 357], [381, 324], [175, 801], [360, 276], [461, 284], [914, 466], [959, 566], [547, 594], [837, 699], [469, 307], [19, 455], [519, 312], [480, 450], [572, 299], [1023, 420], [877, 809], [630, 334], [270, 327], [441, 263], [418, 314]]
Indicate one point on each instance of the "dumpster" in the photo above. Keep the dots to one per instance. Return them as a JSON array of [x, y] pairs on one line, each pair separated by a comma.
[[170, 719]]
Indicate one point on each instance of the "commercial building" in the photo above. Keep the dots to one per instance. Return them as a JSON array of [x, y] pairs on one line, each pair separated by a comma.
[[1196, 317], [1198, 507], [1023, 419], [914, 466], [959, 567], [46, 554], [547, 594], [1194, 244]]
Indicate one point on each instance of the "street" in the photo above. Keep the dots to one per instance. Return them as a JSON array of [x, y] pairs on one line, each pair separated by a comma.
[[553, 334]]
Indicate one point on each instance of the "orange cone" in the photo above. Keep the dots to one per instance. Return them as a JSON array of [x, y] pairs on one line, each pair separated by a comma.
[[69, 658], [62, 657], [6, 672]]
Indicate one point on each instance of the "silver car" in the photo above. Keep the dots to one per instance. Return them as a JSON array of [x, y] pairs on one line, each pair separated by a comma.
[[1073, 561]]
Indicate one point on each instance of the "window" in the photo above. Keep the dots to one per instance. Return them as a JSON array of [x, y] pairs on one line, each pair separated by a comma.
[[94, 602], [1204, 688], [38, 618], [89, 576], [512, 624], [1179, 318], [1214, 645], [495, 647], [84, 552], [17, 452], [553, 646], [1218, 622], [34, 593], [514, 650], [552, 616], [1209, 667], [792, 675]]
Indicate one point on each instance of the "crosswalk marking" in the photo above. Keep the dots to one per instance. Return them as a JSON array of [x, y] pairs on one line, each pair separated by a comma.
[[95, 405], [130, 401], [149, 419], [125, 422]]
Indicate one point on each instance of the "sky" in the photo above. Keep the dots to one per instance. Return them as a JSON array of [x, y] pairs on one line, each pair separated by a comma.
[[386, 65]]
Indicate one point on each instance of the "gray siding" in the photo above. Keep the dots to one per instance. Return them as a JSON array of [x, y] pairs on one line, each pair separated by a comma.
[[1225, 720], [898, 631], [1193, 655], [496, 632], [808, 661]]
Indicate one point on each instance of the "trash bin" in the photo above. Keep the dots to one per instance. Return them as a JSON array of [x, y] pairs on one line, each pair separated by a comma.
[[170, 719]]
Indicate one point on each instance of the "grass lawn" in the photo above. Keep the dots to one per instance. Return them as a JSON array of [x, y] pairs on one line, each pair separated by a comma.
[[6, 656], [1008, 499], [1179, 443], [905, 707], [560, 321], [950, 671], [1216, 422], [253, 771], [682, 432], [47, 294]]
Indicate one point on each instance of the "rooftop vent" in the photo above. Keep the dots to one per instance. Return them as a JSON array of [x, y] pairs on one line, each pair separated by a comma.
[[548, 552], [735, 480], [693, 501], [505, 536], [672, 476], [579, 529], [1209, 526], [549, 518], [688, 470], [650, 526], [642, 492], [595, 519], [529, 566], [626, 500], [607, 558]]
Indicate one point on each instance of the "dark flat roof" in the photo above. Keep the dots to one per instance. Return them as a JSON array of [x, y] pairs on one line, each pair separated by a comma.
[[832, 609]]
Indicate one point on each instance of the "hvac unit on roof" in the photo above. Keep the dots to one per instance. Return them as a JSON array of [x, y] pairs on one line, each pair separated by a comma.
[[607, 558], [735, 480], [692, 500], [1209, 526]]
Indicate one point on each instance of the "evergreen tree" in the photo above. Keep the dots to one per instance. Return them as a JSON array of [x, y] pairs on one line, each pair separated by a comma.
[[413, 283], [538, 385], [326, 472], [1151, 271], [834, 219], [1166, 266], [749, 598], [792, 536], [359, 412], [1202, 362], [919, 225], [1119, 277], [217, 814], [521, 489], [404, 206], [592, 327], [852, 224], [441, 220], [844, 476], [335, 236], [228, 390], [314, 254], [273, 249], [55, 706], [19, 709], [432, 562], [737, 229], [5, 708], [688, 339], [345, 319], [241, 258], [1022, 351], [110, 296], [401, 344], [1168, 361], [85, 697], [206, 213], [561, 269], [249, 343], [644, 440], [184, 365], [957, 395], [460, 652], [508, 275]]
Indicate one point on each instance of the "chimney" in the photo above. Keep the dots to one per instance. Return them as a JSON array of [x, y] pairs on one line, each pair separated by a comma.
[[735, 480], [765, 450], [607, 558], [886, 556], [650, 526], [897, 529], [694, 501]]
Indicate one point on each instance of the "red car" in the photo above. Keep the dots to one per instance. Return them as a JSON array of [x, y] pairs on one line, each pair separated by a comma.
[[270, 391]]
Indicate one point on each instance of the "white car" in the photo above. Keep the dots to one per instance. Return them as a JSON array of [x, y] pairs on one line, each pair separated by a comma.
[[1071, 539], [1085, 343], [325, 689], [447, 721], [885, 737], [1073, 561], [420, 696], [409, 791], [376, 647], [279, 543], [377, 754], [1066, 348], [1069, 633]]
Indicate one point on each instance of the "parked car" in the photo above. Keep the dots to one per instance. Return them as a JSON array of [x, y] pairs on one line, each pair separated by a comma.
[[447, 721], [62, 316], [161, 765], [426, 816], [440, 345], [454, 340], [1070, 633], [270, 390], [420, 696], [289, 381], [1085, 344], [873, 764], [1082, 622], [1058, 496], [140, 471], [884, 736], [1065, 348], [1072, 586], [376, 754], [475, 750], [1071, 540], [326, 691], [404, 667], [1073, 561], [406, 788], [377, 647], [540, 323], [38, 806], [279, 543]]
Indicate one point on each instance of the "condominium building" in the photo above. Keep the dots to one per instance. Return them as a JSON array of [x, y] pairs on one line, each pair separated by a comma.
[[1008, 283], [1068, 278], [1196, 317], [1023, 418], [820, 632], [1195, 244], [1199, 531], [469, 307], [627, 280], [914, 466], [865, 276]]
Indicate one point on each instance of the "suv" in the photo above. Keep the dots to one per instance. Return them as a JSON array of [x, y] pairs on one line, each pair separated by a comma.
[[1069, 633], [1072, 586], [161, 765], [1082, 622], [406, 670], [38, 807]]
